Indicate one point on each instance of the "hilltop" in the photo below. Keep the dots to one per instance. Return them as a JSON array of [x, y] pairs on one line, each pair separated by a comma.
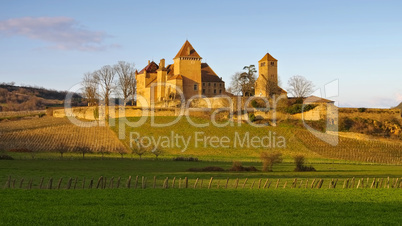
[[28, 98]]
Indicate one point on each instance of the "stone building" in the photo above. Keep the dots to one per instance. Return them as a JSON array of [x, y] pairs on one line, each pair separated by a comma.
[[267, 81], [187, 75]]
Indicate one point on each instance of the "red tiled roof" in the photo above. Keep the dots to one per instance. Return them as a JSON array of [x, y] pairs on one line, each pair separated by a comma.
[[150, 68], [208, 75], [187, 50]]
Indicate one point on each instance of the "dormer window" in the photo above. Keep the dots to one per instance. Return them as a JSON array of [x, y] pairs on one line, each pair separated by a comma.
[[262, 64]]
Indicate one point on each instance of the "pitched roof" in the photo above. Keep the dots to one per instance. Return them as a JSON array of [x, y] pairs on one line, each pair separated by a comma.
[[208, 75], [187, 50], [150, 68], [176, 77], [315, 99], [268, 57]]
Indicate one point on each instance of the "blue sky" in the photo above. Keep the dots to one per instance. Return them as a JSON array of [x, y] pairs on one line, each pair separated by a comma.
[[53, 43]]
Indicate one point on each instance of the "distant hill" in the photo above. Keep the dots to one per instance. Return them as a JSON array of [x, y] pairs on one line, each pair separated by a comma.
[[26, 98], [399, 106]]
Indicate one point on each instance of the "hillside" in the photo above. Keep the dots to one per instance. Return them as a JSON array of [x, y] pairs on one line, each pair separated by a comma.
[[24, 98], [399, 106]]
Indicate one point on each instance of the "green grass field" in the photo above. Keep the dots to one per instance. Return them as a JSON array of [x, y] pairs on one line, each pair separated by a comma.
[[216, 206], [200, 207]]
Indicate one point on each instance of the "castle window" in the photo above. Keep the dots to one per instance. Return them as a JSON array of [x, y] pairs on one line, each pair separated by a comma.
[[214, 84], [195, 86], [262, 64], [220, 91], [209, 84], [203, 84], [220, 84], [214, 91], [272, 63], [203, 91]]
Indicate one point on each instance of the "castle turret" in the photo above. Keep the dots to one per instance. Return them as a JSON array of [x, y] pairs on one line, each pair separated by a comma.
[[188, 64], [267, 81]]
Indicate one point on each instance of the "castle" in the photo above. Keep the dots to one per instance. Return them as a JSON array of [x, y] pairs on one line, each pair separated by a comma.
[[189, 77]]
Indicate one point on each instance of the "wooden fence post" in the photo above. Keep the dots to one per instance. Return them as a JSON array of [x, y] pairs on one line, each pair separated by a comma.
[[277, 183], [21, 182], [312, 183], [201, 183], [59, 184], [83, 183], [227, 182], [252, 185], [69, 183], [30, 184], [91, 183], [286, 183], [136, 182], [41, 182], [118, 182], [195, 184], [210, 183], [186, 182], [179, 182], [111, 182], [99, 182], [173, 181], [266, 183], [245, 181], [305, 186], [75, 183], [358, 184], [259, 183], [236, 183], [143, 182], [128, 182], [372, 184], [49, 185], [8, 182], [154, 185]]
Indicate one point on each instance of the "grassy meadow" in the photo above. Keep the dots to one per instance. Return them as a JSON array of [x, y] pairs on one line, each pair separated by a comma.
[[247, 204], [200, 207]]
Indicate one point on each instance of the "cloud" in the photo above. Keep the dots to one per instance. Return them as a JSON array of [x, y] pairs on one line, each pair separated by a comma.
[[65, 33]]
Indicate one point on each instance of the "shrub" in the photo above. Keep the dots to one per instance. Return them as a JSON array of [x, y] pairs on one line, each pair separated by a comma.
[[6, 157], [190, 159], [206, 169], [269, 159], [300, 167], [362, 110], [298, 108], [251, 116], [237, 166]]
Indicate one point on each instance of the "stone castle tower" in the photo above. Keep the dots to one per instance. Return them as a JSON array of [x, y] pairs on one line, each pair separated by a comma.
[[267, 81], [187, 63]]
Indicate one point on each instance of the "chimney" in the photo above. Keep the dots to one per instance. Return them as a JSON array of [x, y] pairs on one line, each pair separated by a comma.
[[162, 63], [149, 62]]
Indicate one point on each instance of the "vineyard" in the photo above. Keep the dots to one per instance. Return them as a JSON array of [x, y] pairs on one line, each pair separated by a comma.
[[50, 134], [352, 149]]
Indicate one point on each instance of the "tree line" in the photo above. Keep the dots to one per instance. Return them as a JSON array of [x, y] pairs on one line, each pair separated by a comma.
[[243, 84], [101, 84]]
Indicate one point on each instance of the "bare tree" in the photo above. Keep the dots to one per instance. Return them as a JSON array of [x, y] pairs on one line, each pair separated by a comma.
[[299, 86], [90, 85], [126, 82], [269, 159], [105, 77], [242, 84]]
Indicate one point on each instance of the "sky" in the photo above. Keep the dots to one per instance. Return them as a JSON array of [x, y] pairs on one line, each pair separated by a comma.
[[357, 43]]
